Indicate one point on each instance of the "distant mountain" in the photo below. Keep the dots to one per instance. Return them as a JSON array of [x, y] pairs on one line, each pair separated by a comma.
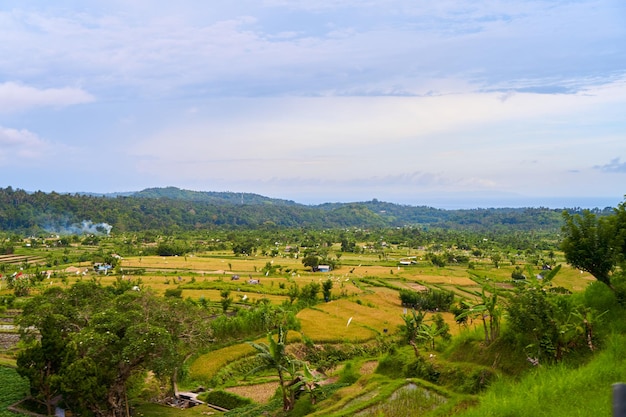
[[171, 208], [214, 197]]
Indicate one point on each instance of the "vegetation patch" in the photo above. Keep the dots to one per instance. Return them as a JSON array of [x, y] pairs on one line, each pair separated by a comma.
[[206, 366], [13, 389], [409, 400], [224, 399]]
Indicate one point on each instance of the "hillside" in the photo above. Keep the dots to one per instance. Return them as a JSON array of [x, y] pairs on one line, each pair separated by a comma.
[[175, 209]]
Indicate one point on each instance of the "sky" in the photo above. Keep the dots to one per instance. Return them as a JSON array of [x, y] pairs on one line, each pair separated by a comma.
[[448, 103]]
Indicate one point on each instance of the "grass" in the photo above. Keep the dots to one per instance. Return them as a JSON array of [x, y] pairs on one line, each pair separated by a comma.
[[12, 389], [373, 308], [408, 400], [157, 410], [375, 395], [206, 366], [558, 391]]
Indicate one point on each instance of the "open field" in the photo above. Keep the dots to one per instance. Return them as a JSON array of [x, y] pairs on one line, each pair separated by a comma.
[[364, 305]]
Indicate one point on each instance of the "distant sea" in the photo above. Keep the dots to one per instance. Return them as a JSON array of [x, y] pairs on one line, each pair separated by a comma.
[[451, 203]]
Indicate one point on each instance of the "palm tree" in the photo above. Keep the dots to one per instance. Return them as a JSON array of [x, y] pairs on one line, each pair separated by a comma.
[[274, 357]]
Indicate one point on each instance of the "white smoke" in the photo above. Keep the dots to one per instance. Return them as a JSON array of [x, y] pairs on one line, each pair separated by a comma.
[[86, 227]]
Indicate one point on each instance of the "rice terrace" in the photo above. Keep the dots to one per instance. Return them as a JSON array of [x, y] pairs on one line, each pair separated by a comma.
[[376, 319]]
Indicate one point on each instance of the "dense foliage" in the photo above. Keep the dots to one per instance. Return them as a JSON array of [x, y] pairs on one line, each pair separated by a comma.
[[94, 339], [429, 300], [177, 210], [224, 399], [93, 345]]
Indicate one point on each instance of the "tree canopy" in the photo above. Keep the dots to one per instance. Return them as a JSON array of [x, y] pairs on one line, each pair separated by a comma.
[[595, 244], [107, 338]]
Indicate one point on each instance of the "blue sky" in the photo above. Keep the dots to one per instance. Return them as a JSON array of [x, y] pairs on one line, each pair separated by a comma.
[[449, 103]]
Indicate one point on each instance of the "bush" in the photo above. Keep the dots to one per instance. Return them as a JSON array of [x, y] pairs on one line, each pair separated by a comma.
[[392, 364], [170, 249], [423, 369], [430, 300], [349, 374], [302, 407], [224, 399], [174, 292]]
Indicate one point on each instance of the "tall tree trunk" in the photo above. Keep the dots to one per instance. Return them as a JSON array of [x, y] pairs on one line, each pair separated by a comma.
[[283, 388], [486, 330]]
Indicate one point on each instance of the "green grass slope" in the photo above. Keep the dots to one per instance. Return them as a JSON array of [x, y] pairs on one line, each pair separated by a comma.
[[559, 391]]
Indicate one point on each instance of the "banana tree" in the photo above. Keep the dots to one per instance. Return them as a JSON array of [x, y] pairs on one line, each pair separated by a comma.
[[412, 325], [273, 356], [489, 312]]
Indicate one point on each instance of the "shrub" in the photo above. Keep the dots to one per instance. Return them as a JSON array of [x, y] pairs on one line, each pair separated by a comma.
[[302, 407], [224, 399], [349, 374], [430, 300], [392, 364], [174, 292]]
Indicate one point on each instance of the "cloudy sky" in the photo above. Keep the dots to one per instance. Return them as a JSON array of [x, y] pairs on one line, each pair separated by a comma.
[[444, 103]]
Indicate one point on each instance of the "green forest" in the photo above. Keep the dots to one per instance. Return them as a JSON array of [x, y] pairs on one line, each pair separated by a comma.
[[172, 210], [169, 302]]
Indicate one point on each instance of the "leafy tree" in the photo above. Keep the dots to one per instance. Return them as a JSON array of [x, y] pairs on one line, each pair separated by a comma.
[[588, 244], [270, 268], [171, 249], [308, 293], [496, 258], [326, 287], [42, 362], [348, 245], [546, 323], [294, 292], [244, 247], [311, 261], [109, 338], [226, 300], [174, 292], [20, 283], [518, 274], [430, 300], [436, 259]]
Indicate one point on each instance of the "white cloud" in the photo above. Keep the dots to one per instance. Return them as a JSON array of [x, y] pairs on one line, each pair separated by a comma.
[[18, 97], [614, 166], [335, 47], [456, 141], [20, 144], [341, 94]]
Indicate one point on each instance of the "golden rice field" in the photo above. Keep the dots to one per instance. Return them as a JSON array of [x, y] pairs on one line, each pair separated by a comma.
[[322, 326], [207, 365], [358, 312], [259, 393]]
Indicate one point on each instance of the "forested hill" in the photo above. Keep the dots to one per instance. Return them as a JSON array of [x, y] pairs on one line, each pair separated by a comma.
[[212, 197], [172, 209]]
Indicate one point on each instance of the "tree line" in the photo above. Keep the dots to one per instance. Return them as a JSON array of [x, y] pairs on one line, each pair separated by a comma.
[[40, 212]]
